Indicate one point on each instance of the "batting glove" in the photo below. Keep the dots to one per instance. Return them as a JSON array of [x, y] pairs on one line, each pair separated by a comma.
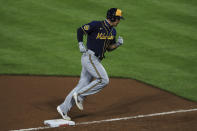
[[120, 41], [82, 48]]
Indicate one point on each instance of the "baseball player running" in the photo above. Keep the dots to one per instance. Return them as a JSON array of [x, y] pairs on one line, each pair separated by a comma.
[[101, 37]]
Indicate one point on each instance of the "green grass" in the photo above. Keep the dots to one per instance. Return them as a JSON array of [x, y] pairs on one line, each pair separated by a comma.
[[39, 37]]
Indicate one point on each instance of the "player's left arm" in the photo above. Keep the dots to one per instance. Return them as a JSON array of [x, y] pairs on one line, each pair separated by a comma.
[[115, 45]]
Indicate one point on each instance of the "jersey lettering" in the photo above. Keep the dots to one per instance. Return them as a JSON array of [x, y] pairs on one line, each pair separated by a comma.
[[103, 36]]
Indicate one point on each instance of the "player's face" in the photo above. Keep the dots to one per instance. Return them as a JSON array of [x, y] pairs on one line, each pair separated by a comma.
[[116, 22]]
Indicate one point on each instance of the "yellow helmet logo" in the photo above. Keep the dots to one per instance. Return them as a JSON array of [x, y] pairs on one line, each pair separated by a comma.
[[118, 12]]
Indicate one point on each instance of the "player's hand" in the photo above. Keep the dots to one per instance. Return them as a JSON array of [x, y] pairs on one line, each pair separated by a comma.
[[82, 48], [120, 41]]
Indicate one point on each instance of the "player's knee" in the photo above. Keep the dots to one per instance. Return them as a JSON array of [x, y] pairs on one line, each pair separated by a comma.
[[105, 81]]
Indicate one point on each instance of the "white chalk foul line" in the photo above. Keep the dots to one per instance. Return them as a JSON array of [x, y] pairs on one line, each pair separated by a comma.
[[33, 129], [135, 117], [115, 119]]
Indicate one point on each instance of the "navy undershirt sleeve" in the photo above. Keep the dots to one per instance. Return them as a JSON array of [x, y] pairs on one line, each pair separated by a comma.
[[80, 34]]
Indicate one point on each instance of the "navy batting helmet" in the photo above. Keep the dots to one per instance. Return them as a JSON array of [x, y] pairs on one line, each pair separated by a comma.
[[113, 14]]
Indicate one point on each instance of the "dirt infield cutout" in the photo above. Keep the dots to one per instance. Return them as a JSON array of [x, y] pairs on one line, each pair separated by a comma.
[[26, 101]]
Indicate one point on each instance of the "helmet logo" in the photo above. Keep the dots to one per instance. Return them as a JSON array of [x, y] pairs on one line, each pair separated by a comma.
[[118, 12]]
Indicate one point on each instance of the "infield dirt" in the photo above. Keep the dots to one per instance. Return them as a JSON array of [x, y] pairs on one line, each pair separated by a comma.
[[26, 101]]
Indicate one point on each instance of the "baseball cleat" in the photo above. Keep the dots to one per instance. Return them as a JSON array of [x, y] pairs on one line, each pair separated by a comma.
[[78, 103], [64, 116]]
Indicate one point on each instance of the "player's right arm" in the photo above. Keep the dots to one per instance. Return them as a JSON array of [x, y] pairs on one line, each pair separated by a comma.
[[84, 30]]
